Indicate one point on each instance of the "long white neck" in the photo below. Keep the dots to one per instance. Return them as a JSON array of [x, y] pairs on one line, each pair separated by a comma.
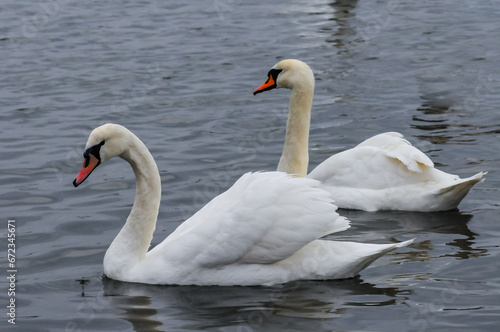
[[295, 156], [132, 242]]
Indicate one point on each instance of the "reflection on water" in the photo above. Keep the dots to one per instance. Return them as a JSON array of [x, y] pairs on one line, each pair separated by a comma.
[[343, 9], [437, 121], [453, 222], [371, 226], [147, 306]]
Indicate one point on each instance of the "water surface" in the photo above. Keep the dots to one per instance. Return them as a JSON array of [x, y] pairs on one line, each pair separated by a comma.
[[181, 77]]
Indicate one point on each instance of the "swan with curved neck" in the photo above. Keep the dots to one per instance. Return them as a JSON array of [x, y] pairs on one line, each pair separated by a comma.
[[298, 77], [384, 172], [264, 230]]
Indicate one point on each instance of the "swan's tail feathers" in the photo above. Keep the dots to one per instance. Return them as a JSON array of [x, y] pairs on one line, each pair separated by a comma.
[[404, 243], [379, 250], [339, 259], [452, 195], [374, 252]]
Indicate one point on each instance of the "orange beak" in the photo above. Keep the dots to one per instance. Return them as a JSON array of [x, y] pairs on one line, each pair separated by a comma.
[[88, 166], [268, 85]]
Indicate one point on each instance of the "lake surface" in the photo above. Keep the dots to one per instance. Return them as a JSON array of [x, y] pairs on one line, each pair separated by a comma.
[[181, 77]]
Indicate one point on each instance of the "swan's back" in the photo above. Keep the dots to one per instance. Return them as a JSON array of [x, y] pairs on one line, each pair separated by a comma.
[[262, 218], [386, 172]]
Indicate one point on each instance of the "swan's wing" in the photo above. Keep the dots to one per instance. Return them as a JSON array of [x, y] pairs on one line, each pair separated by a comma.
[[393, 145], [385, 160], [262, 218]]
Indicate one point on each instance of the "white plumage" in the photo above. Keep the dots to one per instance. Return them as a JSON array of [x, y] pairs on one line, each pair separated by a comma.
[[263, 230], [385, 172]]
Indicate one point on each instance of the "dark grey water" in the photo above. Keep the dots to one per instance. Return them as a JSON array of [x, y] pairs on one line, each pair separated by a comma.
[[181, 77]]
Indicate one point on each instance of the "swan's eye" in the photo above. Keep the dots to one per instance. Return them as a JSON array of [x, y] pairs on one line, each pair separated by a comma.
[[93, 150], [274, 74]]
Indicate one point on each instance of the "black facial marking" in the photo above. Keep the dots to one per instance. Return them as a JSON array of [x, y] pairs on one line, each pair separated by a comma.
[[274, 74], [93, 150]]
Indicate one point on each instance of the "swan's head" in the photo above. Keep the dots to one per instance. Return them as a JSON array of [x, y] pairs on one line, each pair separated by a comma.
[[105, 142], [289, 74]]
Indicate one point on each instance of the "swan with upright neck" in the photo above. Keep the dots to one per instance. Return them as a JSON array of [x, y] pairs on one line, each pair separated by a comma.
[[384, 172], [264, 230]]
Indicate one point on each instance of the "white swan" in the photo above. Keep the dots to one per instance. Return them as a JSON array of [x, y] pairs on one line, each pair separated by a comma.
[[384, 172], [264, 230]]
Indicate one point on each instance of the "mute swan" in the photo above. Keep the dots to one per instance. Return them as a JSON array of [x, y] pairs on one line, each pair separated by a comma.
[[264, 230], [384, 172]]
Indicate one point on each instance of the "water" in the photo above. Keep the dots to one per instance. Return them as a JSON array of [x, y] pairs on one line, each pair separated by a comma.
[[181, 77]]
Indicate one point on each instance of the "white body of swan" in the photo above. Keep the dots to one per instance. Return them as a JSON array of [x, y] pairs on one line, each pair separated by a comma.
[[264, 230], [384, 172]]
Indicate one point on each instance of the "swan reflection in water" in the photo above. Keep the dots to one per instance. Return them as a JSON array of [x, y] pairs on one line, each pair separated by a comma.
[[388, 224], [246, 308]]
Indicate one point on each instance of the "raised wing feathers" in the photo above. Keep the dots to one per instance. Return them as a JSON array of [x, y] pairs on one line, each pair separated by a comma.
[[262, 218], [395, 146]]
